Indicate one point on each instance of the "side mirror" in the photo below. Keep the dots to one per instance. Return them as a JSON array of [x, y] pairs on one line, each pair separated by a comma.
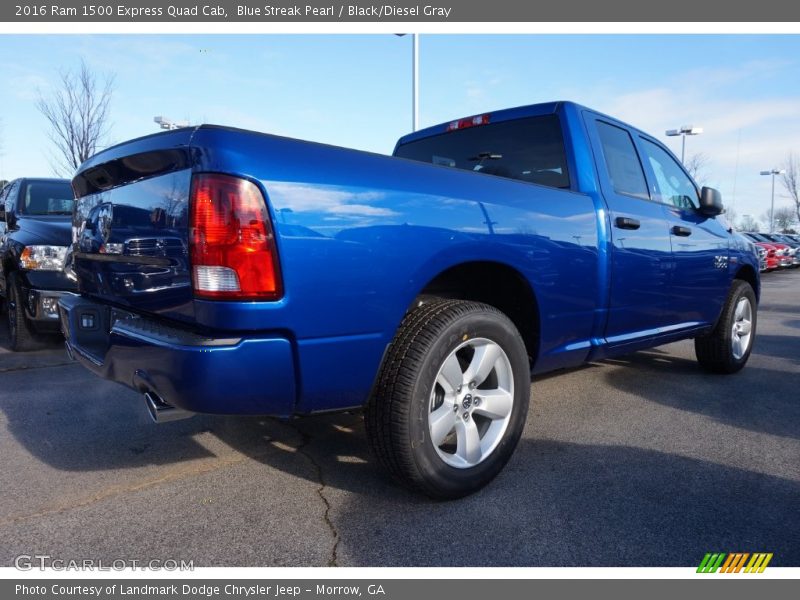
[[710, 202]]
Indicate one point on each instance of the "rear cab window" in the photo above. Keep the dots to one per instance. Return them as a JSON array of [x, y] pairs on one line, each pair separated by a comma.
[[529, 149]]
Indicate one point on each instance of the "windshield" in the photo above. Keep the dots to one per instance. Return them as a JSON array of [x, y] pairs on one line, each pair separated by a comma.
[[771, 237], [756, 237], [43, 198], [530, 149]]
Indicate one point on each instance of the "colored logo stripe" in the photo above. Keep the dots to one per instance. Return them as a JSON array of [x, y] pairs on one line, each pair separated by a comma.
[[733, 562], [758, 563], [711, 562]]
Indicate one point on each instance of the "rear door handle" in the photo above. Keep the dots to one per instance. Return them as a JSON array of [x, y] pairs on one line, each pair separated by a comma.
[[681, 231], [627, 223]]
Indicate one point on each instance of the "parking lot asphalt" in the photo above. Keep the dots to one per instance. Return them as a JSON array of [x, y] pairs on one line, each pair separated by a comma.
[[639, 461]]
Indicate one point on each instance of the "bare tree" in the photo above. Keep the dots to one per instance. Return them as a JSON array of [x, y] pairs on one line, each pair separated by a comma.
[[785, 217], [748, 223], [697, 164], [791, 180], [77, 114]]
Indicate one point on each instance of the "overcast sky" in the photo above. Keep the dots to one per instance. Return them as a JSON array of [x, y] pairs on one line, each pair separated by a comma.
[[355, 90]]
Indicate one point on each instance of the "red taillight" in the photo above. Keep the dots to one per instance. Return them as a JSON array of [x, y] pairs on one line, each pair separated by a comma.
[[232, 247], [468, 122]]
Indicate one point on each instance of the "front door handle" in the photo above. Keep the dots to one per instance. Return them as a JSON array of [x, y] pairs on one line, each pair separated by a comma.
[[627, 223], [681, 231]]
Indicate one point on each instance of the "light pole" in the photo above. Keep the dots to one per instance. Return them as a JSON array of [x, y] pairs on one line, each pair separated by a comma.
[[169, 124], [415, 82], [414, 79], [772, 172], [683, 132]]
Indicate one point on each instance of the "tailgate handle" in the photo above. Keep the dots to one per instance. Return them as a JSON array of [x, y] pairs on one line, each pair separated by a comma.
[[627, 223], [681, 231]]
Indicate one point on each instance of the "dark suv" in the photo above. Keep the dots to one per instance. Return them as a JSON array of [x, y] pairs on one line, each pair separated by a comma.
[[35, 232]]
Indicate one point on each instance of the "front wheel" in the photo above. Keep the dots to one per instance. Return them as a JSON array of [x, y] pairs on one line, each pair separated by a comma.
[[451, 399], [22, 336], [727, 348]]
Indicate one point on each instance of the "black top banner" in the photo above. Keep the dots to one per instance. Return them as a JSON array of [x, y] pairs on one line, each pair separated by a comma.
[[398, 11]]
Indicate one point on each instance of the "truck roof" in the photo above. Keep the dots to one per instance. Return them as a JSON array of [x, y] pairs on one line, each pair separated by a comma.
[[42, 179], [182, 137], [507, 114]]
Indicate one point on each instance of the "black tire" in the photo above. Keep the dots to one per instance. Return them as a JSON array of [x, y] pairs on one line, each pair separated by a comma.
[[396, 415], [716, 350], [22, 337]]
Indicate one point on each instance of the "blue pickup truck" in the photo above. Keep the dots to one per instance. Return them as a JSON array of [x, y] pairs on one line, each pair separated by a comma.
[[232, 272]]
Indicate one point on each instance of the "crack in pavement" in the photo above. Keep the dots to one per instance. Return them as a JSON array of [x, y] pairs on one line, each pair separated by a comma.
[[220, 463], [301, 449]]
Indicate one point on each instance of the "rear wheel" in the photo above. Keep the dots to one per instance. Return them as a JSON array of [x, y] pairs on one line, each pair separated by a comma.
[[21, 334], [451, 399], [727, 348]]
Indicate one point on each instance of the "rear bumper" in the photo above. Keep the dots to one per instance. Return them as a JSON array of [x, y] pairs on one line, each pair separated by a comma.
[[225, 375]]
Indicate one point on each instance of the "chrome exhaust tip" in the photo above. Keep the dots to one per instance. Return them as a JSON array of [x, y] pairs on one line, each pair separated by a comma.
[[161, 412]]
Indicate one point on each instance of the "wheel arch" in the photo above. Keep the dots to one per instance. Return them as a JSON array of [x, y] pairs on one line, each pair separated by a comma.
[[748, 273], [496, 284], [7, 267]]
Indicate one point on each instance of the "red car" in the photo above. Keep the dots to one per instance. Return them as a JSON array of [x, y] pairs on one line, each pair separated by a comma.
[[773, 262], [783, 252], [774, 254]]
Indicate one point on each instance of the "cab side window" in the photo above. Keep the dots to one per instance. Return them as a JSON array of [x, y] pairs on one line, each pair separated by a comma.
[[624, 168], [672, 184]]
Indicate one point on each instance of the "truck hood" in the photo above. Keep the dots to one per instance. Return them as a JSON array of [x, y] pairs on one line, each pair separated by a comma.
[[56, 231]]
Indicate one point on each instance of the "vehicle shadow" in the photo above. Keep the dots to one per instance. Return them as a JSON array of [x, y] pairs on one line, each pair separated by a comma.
[[77, 422], [780, 346], [795, 323], [766, 306], [72, 421], [556, 503], [566, 504], [755, 399]]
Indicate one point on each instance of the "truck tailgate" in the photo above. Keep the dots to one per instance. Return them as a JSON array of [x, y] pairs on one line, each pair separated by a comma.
[[131, 227]]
